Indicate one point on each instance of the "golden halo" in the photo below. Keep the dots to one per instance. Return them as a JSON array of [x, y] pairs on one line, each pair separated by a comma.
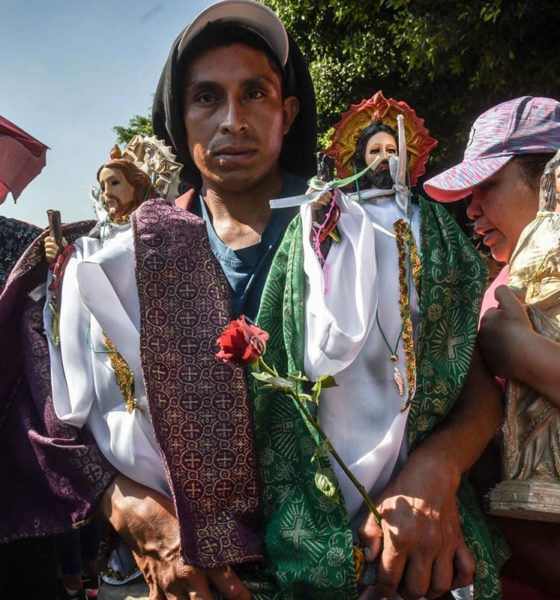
[[384, 110]]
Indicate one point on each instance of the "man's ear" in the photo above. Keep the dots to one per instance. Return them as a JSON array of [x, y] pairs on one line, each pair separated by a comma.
[[291, 110]]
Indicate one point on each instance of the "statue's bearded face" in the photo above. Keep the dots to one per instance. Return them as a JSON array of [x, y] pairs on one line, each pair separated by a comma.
[[382, 145]]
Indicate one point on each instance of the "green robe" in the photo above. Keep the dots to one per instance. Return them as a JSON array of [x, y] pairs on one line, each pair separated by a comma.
[[307, 536]]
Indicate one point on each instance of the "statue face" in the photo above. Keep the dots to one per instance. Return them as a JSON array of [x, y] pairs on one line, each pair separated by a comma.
[[382, 145], [117, 192]]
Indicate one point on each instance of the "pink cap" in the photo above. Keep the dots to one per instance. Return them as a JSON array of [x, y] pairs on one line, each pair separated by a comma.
[[525, 125]]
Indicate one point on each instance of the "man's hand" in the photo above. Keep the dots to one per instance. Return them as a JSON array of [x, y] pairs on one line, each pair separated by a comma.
[[423, 552], [147, 522], [503, 334]]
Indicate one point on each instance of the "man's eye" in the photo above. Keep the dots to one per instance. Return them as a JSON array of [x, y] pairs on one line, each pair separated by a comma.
[[255, 94], [204, 98]]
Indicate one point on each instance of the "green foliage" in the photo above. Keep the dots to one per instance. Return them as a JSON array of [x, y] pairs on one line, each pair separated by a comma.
[[325, 482], [449, 59], [138, 125]]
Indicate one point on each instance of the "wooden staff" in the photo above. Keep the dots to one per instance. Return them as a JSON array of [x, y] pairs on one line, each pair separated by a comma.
[[55, 228]]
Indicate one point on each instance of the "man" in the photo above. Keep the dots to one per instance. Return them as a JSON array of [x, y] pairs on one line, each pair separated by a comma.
[[399, 346], [225, 110], [243, 93]]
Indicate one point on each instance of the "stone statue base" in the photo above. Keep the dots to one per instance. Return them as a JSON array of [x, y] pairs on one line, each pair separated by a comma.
[[525, 499]]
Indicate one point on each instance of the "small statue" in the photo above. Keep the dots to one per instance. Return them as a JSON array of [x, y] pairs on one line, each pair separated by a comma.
[[530, 488], [124, 186]]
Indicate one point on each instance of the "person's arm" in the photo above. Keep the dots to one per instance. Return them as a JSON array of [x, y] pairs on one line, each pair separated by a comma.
[[513, 349], [147, 522], [424, 553]]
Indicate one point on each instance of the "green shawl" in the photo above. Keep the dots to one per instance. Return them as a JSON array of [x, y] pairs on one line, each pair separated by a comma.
[[307, 536]]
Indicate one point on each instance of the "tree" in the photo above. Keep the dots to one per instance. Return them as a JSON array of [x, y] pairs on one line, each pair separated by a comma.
[[138, 125], [449, 59]]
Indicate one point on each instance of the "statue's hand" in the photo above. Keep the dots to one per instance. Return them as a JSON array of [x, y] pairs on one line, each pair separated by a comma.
[[423, 553], [503, 334], [52, 249], [146, 520]]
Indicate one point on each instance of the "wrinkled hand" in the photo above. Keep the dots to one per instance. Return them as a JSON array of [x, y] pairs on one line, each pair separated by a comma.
[[423, 551], [147, 522], [503, 332], [51, 248]]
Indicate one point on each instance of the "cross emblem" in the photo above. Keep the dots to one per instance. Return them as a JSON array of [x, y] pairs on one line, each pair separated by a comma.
[[452, 344], [298, 533]]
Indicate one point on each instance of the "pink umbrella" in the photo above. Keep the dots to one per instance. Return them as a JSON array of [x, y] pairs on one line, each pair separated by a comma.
[[22, 158]]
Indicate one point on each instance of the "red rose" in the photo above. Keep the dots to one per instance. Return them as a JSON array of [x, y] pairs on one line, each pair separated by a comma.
[[241, 343]]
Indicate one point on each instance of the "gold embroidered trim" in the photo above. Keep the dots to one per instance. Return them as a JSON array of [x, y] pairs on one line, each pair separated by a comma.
[[123, 375], [404, 234]]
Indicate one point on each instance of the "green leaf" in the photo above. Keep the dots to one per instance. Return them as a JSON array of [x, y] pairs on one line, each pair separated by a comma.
[[280, 382], [325, 484], [322, 450], [298, 376], [327, 381], [261, 375]]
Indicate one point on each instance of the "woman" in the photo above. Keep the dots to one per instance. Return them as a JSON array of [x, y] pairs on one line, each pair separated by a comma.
[[508, 149]]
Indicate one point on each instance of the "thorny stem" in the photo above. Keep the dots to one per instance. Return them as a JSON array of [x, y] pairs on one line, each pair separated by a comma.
[[295, 395]]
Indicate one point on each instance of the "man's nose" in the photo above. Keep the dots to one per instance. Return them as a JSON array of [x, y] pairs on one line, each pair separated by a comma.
[[234, 119]]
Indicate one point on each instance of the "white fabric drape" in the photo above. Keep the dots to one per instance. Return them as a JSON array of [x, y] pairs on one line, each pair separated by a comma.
[[362, 416], [99, 292]]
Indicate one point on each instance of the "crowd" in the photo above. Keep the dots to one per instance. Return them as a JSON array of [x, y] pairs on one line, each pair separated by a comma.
[[113, 405]]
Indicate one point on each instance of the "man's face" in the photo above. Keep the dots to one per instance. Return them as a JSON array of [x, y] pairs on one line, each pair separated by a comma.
[[380, 145], [117, 192], [235, 117], [501, 207]]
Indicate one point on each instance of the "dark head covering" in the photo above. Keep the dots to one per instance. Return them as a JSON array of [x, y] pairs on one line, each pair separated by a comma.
[[298, 150]]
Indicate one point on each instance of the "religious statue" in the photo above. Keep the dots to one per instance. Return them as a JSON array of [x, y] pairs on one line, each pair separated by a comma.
[[530, 488]]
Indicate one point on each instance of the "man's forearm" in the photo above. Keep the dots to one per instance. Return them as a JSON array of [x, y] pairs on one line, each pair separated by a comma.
[[461, 438]]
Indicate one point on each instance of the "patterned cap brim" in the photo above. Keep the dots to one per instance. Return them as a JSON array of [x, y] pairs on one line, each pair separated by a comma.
[[458, 182]]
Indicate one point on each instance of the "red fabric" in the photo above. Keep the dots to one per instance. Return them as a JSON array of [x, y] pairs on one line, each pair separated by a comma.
[[22, 158], [184, 201]]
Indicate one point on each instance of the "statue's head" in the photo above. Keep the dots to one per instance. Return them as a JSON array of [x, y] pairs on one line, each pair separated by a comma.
[[124, 187], [376, 141]]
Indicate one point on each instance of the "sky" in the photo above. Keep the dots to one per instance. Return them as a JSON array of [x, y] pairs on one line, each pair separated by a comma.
[[70, 70]]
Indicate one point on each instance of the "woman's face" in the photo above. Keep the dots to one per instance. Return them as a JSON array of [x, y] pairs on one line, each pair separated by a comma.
[[557, 178], [501, 207]]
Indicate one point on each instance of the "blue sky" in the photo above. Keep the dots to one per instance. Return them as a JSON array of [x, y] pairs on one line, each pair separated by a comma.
[[72, 69]]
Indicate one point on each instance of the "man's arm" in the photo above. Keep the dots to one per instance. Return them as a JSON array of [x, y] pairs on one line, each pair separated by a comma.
[[147, 522], [513, 349], [424, 553]]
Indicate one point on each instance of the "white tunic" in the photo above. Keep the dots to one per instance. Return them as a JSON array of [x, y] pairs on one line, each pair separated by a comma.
[[362, 416], [97, 299]]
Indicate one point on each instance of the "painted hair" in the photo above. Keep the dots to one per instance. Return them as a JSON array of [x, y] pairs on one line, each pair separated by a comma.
[[139, 180], [363, 138]]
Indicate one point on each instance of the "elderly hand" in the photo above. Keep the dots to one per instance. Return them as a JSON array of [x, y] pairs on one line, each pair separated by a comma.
[[147, 522], [423, 551], [503, 333]]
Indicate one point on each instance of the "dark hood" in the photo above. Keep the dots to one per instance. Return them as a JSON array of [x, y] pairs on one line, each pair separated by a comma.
[[298, 152]]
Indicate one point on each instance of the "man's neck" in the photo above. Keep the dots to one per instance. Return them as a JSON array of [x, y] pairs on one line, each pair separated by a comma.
[[239, 218]]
